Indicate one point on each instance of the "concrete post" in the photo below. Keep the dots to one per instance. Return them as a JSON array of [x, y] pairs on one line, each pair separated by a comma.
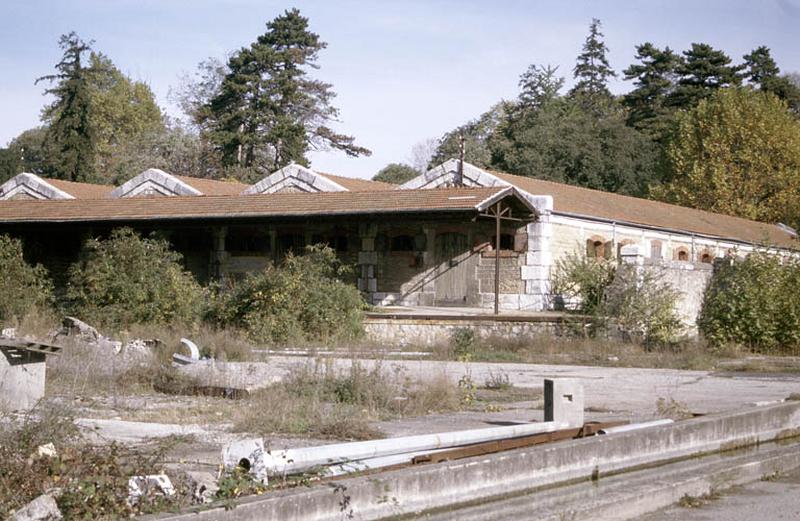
[[367, 260], [563, 401]]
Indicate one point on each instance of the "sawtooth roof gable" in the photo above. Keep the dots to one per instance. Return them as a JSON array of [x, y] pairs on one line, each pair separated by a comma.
[[154, 182], [295, 178], [31, 186]]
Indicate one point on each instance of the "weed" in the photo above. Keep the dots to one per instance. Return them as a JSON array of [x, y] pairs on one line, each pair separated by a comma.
[[671, 408], [497, 381]]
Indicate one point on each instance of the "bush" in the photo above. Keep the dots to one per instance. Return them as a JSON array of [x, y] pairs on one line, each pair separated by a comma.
[[23, 287], [643, 305], [638, 300], [127, 279], [753, 302], [582, 280], [304, 299]]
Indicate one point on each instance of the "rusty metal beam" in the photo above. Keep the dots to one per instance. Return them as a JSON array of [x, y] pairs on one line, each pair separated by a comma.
[[480, 449]]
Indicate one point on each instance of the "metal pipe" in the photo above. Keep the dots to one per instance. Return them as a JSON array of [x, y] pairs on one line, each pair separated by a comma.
[[635, 426], [298, 460]]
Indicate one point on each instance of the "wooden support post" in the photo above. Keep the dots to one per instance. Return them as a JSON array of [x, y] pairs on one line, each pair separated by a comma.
[[497, 259]]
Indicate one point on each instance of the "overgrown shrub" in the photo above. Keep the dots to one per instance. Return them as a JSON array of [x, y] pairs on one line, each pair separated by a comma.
[[643, 305], [304, 299], [581, 281], [23, 287], [127, 279], [753, 302]]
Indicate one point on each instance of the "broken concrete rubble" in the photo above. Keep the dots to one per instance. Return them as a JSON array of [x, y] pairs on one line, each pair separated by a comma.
[[140, 485], [204, 485], [246, 454], [43, 508]]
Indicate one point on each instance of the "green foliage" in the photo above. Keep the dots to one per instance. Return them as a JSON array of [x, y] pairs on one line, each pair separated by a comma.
[[267, 112], [592, 70], [738, 153], [28, 152], [305, 298], [643, 305], [640, 302], [654, 79], [122, 112], [702, 71], [564, 142], [463, 342], [582, 280], [127, 279], [23, 288], [396, 173], [70, 131], [476, 134], [753, 302]]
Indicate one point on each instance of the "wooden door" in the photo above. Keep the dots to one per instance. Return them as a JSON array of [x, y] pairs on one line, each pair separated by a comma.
[[455, 266]]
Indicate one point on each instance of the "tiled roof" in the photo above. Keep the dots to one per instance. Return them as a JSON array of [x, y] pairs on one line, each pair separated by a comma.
[[358, 185], [80, 190], [244, 206], [570, 199], [213, 186]]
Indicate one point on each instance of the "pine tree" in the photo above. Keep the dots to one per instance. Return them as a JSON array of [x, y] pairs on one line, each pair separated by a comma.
[[654, 79], [702, 71], [538, 85], [760, 67], [592, 69], [763, 72], [268, 112], [70, 132]]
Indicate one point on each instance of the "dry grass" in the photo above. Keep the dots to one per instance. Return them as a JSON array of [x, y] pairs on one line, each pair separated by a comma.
[[581, 350], [320, 401]]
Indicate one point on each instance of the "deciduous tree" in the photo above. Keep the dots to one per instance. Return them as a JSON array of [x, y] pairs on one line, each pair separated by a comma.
[[738, 153], [396, 173]]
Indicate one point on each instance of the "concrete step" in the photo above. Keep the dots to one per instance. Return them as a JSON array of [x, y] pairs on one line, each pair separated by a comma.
[[630, 495]]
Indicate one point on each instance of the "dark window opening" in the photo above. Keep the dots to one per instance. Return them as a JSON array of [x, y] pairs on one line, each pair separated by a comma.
[[683, 255], [402, 243], [707, 258], [295, 243], [506, 241], [247, 243]]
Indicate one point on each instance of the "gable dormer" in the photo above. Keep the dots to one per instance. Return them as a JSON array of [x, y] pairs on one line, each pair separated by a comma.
[[448, 175], [31, 186], [295, 178], [154, 182]]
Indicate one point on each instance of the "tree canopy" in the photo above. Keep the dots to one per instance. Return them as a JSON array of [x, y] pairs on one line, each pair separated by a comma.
[[396, 173], [268, 111], [737, 152]]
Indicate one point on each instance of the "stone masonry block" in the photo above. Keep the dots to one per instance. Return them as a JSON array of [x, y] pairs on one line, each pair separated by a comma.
[[563, 401]]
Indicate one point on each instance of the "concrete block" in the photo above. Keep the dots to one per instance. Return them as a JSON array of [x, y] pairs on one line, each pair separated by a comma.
[[22, 376], [367, 243], [563, 401], [367, 257], [247, 454], [372, 285], [533, 272], [531, 302]]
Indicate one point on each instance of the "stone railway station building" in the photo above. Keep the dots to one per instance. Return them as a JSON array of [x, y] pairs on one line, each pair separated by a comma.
[[432, 241]]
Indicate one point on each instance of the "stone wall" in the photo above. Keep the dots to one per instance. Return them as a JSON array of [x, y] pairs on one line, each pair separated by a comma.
[[416, 332]]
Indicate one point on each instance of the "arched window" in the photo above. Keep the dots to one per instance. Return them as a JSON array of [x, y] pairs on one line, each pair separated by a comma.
[[596, 247], [707, 258], [681, 254], [655, 249], [402, 243]]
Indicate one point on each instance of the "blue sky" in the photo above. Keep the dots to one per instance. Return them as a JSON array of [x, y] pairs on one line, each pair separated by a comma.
[[403, 70]]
